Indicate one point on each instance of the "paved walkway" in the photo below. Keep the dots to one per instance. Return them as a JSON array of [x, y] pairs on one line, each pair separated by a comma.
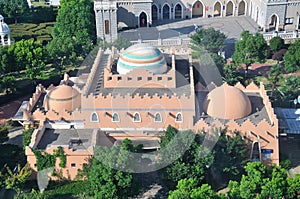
[[232, 27]]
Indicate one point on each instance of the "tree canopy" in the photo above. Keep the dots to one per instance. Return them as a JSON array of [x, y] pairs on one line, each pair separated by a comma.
[[31, 56], [250, 49], [13, 8], [206, 45], [212, 40], [188, 189], [109, 174], [276, 44], [73, 32], [292, 58], [262, 182]]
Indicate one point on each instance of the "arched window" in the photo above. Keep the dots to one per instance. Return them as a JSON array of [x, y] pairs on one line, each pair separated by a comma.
[[179, 117], [136, 117], [157, 117], [115, 117], [94, 117]]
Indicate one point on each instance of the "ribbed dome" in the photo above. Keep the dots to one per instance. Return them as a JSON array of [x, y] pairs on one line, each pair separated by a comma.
[[142, 56], [4, 29], [61, 98], [227, 102]]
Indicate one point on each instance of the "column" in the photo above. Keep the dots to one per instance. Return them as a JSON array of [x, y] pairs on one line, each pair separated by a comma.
[[8, 39], [2, 40]]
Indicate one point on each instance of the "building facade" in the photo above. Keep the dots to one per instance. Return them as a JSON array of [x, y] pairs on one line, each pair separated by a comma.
[[270, 15], [137, 93]]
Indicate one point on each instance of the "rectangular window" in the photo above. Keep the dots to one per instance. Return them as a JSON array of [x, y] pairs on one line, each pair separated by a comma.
[[106, 23], [119, 78], [109, 78], [149, 78], [289, 20], [169, 78], [159, 78], [73, 165], [129, 78], [139, 78]]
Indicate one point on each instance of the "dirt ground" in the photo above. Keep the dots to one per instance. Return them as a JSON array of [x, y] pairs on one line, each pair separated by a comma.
[[7, 111]]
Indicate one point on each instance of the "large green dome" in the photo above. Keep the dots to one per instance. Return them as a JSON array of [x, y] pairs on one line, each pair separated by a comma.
[[142, 56]]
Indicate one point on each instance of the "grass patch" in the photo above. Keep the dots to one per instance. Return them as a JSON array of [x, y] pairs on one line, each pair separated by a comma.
[[67, 189], [40, 32]]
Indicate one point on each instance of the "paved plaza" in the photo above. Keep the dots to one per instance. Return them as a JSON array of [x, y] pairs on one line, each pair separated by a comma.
[[232, 27]]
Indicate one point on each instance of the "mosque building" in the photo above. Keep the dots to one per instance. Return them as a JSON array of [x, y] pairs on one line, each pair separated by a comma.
[[136, 93], [270, 15]]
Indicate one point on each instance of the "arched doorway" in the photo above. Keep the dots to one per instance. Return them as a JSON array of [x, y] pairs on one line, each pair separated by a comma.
[[143, 19], [166, 11], [197, 10], [242, 8], [154, 12], [273, 25], [229, 9], [178, 11], [217, 9], [255, 152]]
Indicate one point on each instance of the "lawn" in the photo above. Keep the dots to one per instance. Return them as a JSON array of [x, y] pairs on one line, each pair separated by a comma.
[[40, 32]]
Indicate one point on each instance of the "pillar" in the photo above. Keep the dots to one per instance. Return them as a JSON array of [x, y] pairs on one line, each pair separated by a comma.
[[2, 40]]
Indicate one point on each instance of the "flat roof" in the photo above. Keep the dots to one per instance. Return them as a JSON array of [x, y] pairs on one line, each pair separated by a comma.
[[19, 114], [289, 119], [62, 137], [182, 81]]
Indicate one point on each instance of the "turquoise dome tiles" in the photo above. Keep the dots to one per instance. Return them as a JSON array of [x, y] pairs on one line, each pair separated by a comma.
[[142, 56]]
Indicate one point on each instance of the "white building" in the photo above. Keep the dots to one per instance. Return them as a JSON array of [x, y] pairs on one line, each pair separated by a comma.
[[270, 15]]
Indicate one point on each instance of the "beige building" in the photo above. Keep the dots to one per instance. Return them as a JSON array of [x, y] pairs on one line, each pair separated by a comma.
[[136, 94]]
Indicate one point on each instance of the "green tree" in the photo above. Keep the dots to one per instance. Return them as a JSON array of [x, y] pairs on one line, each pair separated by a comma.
[[14, 8], [294, 186], [188, 158], [250, 49], [31, 56], [292, 58], [109, 174], [260, 182], [7, 61], [287, 88], [230, 155], [210, 39], [3, 134], [8, 83], [206, 45], [276, 44], [73, 32], [231, 75], [15, 180], [274, 75], [188, 189], [276, 185]]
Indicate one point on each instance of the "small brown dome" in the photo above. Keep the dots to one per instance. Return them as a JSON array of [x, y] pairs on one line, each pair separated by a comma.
[[61, 98], [227, 102]]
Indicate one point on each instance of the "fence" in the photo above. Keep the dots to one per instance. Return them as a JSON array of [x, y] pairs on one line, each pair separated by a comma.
[[288, 37], [164, 42]]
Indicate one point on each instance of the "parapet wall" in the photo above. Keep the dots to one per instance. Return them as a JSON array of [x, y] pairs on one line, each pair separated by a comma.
[[35, 97], [139, 78]]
